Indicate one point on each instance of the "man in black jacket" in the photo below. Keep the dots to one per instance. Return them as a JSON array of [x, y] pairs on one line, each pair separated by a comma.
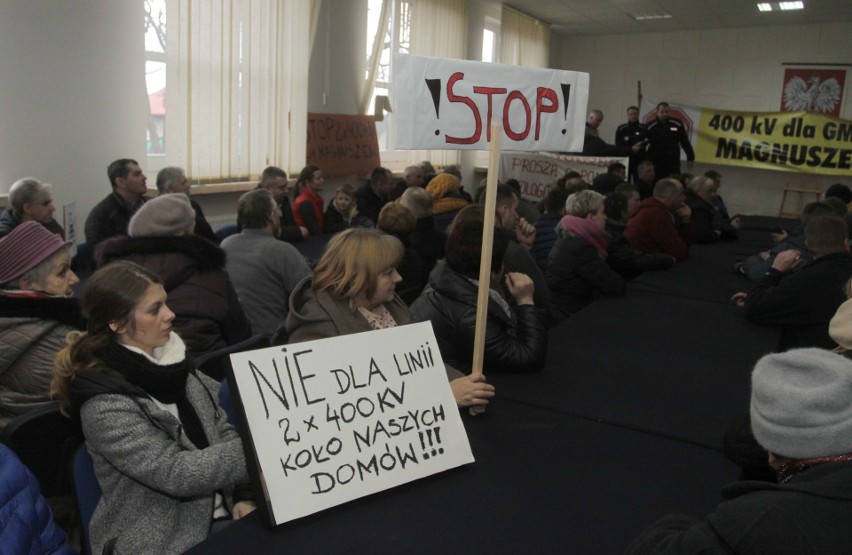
[[111, 216], [629, 134], [802, 303], [666, 136], [274, 180]]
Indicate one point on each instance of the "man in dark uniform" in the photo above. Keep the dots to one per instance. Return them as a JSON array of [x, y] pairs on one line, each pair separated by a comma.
[[630, 133], [666, 136]]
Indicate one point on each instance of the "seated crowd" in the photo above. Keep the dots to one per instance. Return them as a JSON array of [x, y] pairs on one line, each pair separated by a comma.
[[165, 292]]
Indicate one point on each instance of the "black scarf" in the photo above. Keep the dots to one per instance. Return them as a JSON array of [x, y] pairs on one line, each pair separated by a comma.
[[165, 383]]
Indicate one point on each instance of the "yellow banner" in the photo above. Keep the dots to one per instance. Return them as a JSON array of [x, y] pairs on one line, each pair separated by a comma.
[[784, 141]]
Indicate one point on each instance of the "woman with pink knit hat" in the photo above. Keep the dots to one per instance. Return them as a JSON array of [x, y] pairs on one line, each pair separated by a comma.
[[37, 311]]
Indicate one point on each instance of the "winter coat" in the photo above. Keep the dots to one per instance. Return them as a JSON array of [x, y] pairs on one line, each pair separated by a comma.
[[809, 515], [158, 487], [32, 331], [430, 242], [26, 523], [801, 303], [652, 229], [665, 139], [513, 343], [8, 222], [545, 238], [577, 275], [109, 218], [208, 314], [708, 225], [317, 315], [627, 262]]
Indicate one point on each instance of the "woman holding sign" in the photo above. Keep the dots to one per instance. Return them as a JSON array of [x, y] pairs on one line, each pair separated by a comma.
[[164, 455], [353, 290]]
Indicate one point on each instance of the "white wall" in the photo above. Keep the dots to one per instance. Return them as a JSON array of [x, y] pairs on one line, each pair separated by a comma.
[[338, 60], [73, 95], [737, 69]]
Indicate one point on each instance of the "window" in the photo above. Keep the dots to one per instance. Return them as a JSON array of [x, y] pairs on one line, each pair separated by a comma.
[[396, 38], [236, 94], [489, 53], [155, 74], [427, 28]]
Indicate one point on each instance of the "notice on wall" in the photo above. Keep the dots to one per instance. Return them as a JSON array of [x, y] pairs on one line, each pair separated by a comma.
[[449, 104], [342, 145], [69, 223], [340, 418], [538, 171]]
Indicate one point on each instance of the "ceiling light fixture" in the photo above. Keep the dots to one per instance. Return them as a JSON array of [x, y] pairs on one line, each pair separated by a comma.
[[647, 16], [783, 6]]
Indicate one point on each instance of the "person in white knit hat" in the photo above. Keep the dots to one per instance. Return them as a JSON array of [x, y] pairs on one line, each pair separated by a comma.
[[801, 413], [161, 239]]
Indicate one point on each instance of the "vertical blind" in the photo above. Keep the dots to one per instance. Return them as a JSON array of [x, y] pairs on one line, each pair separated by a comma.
[[524, 41], [439, 29], [237, 75]]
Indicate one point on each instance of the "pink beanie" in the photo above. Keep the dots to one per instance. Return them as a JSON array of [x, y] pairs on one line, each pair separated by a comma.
[[27, 246]]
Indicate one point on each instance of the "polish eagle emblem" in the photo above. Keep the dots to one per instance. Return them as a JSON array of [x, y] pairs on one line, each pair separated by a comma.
[[811, 96]]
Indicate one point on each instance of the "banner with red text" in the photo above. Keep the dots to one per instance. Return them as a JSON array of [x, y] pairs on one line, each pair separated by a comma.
[[800, 142], [448, 104], [537, 171]]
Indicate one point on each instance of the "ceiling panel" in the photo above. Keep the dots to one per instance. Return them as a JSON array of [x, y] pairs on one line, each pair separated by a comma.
[[584, 17]]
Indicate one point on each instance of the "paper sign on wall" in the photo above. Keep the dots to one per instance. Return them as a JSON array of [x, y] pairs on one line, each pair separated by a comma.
[[448, 104], [340, 418], [342, 145]]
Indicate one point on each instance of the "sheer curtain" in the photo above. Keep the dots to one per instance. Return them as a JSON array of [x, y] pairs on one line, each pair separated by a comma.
[[439, 29], [524, 41], [237, 82]]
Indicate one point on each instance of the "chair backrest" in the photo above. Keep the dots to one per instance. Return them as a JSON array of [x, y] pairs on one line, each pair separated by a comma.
[[216, 363], [87, 491], [45, 442], [226, 231]]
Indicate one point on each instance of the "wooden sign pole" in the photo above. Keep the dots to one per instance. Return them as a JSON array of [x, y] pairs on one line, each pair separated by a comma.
[[485, 261]]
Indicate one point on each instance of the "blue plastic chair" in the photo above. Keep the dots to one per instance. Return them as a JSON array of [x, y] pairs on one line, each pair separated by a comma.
[[216, 363], [45, 441], [87, 491], [226, 231]]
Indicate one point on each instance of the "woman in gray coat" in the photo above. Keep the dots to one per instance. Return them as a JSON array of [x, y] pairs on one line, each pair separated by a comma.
[[165, 457]]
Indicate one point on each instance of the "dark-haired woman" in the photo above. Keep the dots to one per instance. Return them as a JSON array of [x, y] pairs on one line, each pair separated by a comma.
[[164, 455]]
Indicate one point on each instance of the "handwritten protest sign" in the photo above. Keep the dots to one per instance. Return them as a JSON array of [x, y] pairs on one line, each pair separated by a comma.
[[449, 104], [342, 145], [336, 419], [537, 171]]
